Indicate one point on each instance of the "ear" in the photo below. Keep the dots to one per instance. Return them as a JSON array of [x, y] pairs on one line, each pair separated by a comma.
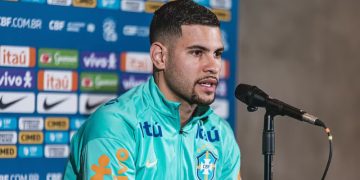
[[158, 55]]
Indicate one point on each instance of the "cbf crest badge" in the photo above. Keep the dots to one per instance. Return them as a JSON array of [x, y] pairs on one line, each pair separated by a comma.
[[206, 166]]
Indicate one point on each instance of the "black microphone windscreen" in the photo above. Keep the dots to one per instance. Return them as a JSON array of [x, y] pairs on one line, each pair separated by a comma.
[[251, 95], [241, 92]]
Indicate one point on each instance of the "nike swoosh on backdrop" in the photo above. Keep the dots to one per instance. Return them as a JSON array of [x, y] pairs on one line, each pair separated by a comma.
[[6, 105], [48, 106], [89, 107]]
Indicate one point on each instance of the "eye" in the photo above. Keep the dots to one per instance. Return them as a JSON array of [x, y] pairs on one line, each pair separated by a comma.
[[218, 54], [197, 53]]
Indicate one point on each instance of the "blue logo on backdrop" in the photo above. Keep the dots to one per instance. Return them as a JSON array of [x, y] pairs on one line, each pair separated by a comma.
[[108, 4], [129, 81], [31, 151], [99, 60], [75, 123], [56, 137], [206, 165], [34, 1], [8, 123], [16, 79]]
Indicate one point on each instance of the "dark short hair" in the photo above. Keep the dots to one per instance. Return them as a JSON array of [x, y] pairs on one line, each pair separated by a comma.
[[167, 20]]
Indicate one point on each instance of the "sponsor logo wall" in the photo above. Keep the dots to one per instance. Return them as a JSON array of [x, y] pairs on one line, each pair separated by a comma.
[[56, 68]]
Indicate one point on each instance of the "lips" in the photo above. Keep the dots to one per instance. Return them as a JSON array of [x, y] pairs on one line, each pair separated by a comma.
[[208, 84]]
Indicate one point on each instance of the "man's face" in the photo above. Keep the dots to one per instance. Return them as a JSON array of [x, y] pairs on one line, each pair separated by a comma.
[[194, 63]]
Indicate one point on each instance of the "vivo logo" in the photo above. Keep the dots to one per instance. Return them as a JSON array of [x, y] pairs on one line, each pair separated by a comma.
[[16, 56], [130, 81], [99, 60], [16, 79]]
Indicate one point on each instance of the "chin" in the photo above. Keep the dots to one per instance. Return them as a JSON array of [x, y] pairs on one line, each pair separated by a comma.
[[203, 100]]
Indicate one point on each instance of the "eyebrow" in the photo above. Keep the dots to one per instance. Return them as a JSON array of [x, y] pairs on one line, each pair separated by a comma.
[[204, 48]]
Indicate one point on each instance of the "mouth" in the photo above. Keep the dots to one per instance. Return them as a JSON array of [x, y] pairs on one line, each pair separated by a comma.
[[208, 84]]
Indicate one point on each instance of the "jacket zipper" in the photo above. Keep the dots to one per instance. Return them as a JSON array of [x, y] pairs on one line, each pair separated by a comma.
[[180, 154]]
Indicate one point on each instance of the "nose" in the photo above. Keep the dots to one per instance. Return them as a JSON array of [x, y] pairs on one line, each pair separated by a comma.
[[213, 64]]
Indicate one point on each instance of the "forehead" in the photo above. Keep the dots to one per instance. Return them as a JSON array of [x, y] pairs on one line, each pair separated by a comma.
[[207, 36]]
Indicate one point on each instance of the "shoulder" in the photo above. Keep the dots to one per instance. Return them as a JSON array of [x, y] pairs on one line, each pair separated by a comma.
[[116, 118], [220, 123]]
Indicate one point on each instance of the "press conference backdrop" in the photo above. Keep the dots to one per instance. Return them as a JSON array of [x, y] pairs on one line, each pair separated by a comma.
[[60, 59]]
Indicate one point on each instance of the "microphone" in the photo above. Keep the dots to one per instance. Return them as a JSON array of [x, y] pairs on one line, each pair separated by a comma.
[[255, 97]]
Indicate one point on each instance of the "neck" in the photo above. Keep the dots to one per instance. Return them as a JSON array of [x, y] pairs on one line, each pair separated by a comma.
[[186, 109]]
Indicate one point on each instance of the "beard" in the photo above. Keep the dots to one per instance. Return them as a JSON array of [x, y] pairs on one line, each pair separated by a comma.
[[196, 99], [185, 88]]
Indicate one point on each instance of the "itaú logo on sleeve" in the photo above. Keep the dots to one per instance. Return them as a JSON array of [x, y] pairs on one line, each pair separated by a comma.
[[49, 80], [17, 56], [16, 79], [137, 62]]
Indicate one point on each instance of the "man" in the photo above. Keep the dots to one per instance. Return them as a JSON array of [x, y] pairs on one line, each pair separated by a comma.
[[164, 129]]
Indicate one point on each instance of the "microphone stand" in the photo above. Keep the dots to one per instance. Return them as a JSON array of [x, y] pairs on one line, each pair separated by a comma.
[[268, 141], [268, 144]]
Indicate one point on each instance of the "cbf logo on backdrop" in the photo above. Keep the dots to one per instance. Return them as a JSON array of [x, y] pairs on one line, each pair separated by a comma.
[[206, 166], [109, 30]]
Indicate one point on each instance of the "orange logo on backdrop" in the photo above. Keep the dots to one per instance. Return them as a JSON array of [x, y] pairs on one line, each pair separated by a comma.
[[57, 123], [17, 56], [8, 151], [68, 81], [225, 69], [31, 137]]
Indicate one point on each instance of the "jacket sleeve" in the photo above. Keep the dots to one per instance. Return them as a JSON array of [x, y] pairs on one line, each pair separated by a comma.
[[110, 148]]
